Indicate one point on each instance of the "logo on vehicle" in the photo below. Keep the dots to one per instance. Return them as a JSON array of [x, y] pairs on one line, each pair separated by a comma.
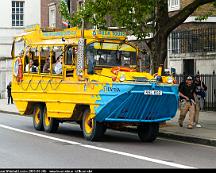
[[111, 89]]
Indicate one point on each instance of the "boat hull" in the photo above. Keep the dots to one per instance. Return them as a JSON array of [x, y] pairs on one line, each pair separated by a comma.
[[132, 105]]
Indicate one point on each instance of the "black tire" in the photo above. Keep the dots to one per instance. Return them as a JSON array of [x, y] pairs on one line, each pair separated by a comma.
[[50, 124], [38, 117], [80, 124], [148, 132], [92, 130]]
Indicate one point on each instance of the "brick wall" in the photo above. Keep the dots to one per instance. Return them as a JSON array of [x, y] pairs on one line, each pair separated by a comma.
[[195, 25], [202, 10], [45, 12]]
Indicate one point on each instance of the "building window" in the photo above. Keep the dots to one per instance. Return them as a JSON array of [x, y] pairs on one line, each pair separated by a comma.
[[191, 41], [80, 4], [17, 13], [174, 43], [173, 5], [52, 16]]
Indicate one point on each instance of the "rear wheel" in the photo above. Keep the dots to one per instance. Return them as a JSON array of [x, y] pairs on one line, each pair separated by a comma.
[[92, 130], [80, 124], [50, 124], [38, 117], [148, 132]]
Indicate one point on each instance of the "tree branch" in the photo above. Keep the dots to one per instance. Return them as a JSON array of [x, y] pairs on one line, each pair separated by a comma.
[[180, 17]]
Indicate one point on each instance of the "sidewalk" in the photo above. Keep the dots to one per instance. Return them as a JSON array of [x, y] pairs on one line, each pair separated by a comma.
[[205, 135], [4, 107]]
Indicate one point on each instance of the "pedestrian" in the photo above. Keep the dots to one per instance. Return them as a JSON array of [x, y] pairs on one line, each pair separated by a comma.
[[10, 98], [199, 99], [187, 101]]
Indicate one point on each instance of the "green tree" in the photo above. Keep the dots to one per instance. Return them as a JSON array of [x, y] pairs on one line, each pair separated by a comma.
[[138, 17]]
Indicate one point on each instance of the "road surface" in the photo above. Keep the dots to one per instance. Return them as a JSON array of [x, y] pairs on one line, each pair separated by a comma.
[[22, 146]]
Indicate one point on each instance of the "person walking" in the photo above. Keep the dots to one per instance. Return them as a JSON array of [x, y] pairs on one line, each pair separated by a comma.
[[10, 98], [200, 89], [187, 101]]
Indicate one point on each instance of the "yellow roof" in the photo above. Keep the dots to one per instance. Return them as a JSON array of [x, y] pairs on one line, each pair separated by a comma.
[[73, 41]]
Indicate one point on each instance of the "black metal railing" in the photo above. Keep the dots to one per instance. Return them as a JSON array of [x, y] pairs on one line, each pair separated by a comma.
[[191, 41], [210, 81]]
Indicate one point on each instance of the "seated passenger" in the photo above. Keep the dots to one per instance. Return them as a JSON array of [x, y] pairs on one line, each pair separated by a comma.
[[31, 67], [46, 67], [57, 67]]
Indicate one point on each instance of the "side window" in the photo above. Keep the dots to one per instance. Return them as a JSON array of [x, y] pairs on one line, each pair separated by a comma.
[[45, 60], [69, 56], [57, 60], [91, 58], [31, 61]]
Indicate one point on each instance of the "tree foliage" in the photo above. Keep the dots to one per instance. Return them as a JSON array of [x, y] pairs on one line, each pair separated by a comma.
[[129, 14], [138, 17]]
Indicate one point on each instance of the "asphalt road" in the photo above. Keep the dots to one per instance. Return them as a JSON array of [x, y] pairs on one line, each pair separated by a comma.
[[21, 146]]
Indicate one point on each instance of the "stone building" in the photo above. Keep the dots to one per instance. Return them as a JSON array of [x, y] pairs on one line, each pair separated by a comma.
[[15, 16], [50, 15], [192, 45]]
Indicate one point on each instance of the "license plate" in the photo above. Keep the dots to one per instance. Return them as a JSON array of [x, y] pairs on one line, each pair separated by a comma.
[[153, 92]]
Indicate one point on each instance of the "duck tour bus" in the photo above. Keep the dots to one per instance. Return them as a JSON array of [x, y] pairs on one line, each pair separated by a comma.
[[90, 77]]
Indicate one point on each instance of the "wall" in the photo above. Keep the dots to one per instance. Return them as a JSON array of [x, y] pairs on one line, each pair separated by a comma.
[[202, 10], [45, 12], [205, 63], [32, 15], [5, 75]]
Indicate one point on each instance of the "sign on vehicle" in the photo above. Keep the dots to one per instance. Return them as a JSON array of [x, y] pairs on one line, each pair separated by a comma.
[[152, 92]]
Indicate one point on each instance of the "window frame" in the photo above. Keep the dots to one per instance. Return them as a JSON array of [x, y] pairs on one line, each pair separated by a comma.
[[173, 5], [52, 17], [17, 13]]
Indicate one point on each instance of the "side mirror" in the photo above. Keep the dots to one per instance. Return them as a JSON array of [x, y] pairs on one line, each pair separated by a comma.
[[173, 71]]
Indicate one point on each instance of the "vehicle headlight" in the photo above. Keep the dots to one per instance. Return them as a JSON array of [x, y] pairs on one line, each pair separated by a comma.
[[122, 78], [169, 80]]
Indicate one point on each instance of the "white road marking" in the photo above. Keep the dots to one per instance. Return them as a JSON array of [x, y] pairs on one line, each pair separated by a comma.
[[176, 165]]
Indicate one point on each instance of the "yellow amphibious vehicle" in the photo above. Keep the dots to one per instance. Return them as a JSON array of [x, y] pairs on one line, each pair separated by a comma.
[[91, 78]]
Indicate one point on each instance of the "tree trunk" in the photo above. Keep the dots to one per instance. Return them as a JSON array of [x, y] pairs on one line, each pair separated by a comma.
[[158, 50]]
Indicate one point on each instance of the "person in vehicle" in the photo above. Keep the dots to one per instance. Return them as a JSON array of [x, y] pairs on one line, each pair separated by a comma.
[[57, 67], [31, 67], [46, 67]]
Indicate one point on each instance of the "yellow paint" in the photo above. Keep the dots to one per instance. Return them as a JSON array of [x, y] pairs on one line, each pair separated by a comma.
[[62, 93], [47, 120], [37, 116], [89, 123]]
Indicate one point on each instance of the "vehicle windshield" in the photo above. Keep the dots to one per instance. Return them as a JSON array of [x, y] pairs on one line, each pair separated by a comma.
[[111, 54]]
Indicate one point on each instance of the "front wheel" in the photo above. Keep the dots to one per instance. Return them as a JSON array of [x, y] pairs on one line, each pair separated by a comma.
[[148, 132], [50, 124], [92, 130]]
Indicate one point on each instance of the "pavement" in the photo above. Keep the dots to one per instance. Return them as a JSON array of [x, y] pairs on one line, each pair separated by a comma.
[[205, 135]]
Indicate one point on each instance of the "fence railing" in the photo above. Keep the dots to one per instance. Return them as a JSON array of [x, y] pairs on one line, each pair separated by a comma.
[[210, 82], [190, 41]]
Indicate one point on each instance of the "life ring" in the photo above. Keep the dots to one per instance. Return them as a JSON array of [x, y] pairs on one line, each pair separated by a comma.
[[115, 70], [18, 69]]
